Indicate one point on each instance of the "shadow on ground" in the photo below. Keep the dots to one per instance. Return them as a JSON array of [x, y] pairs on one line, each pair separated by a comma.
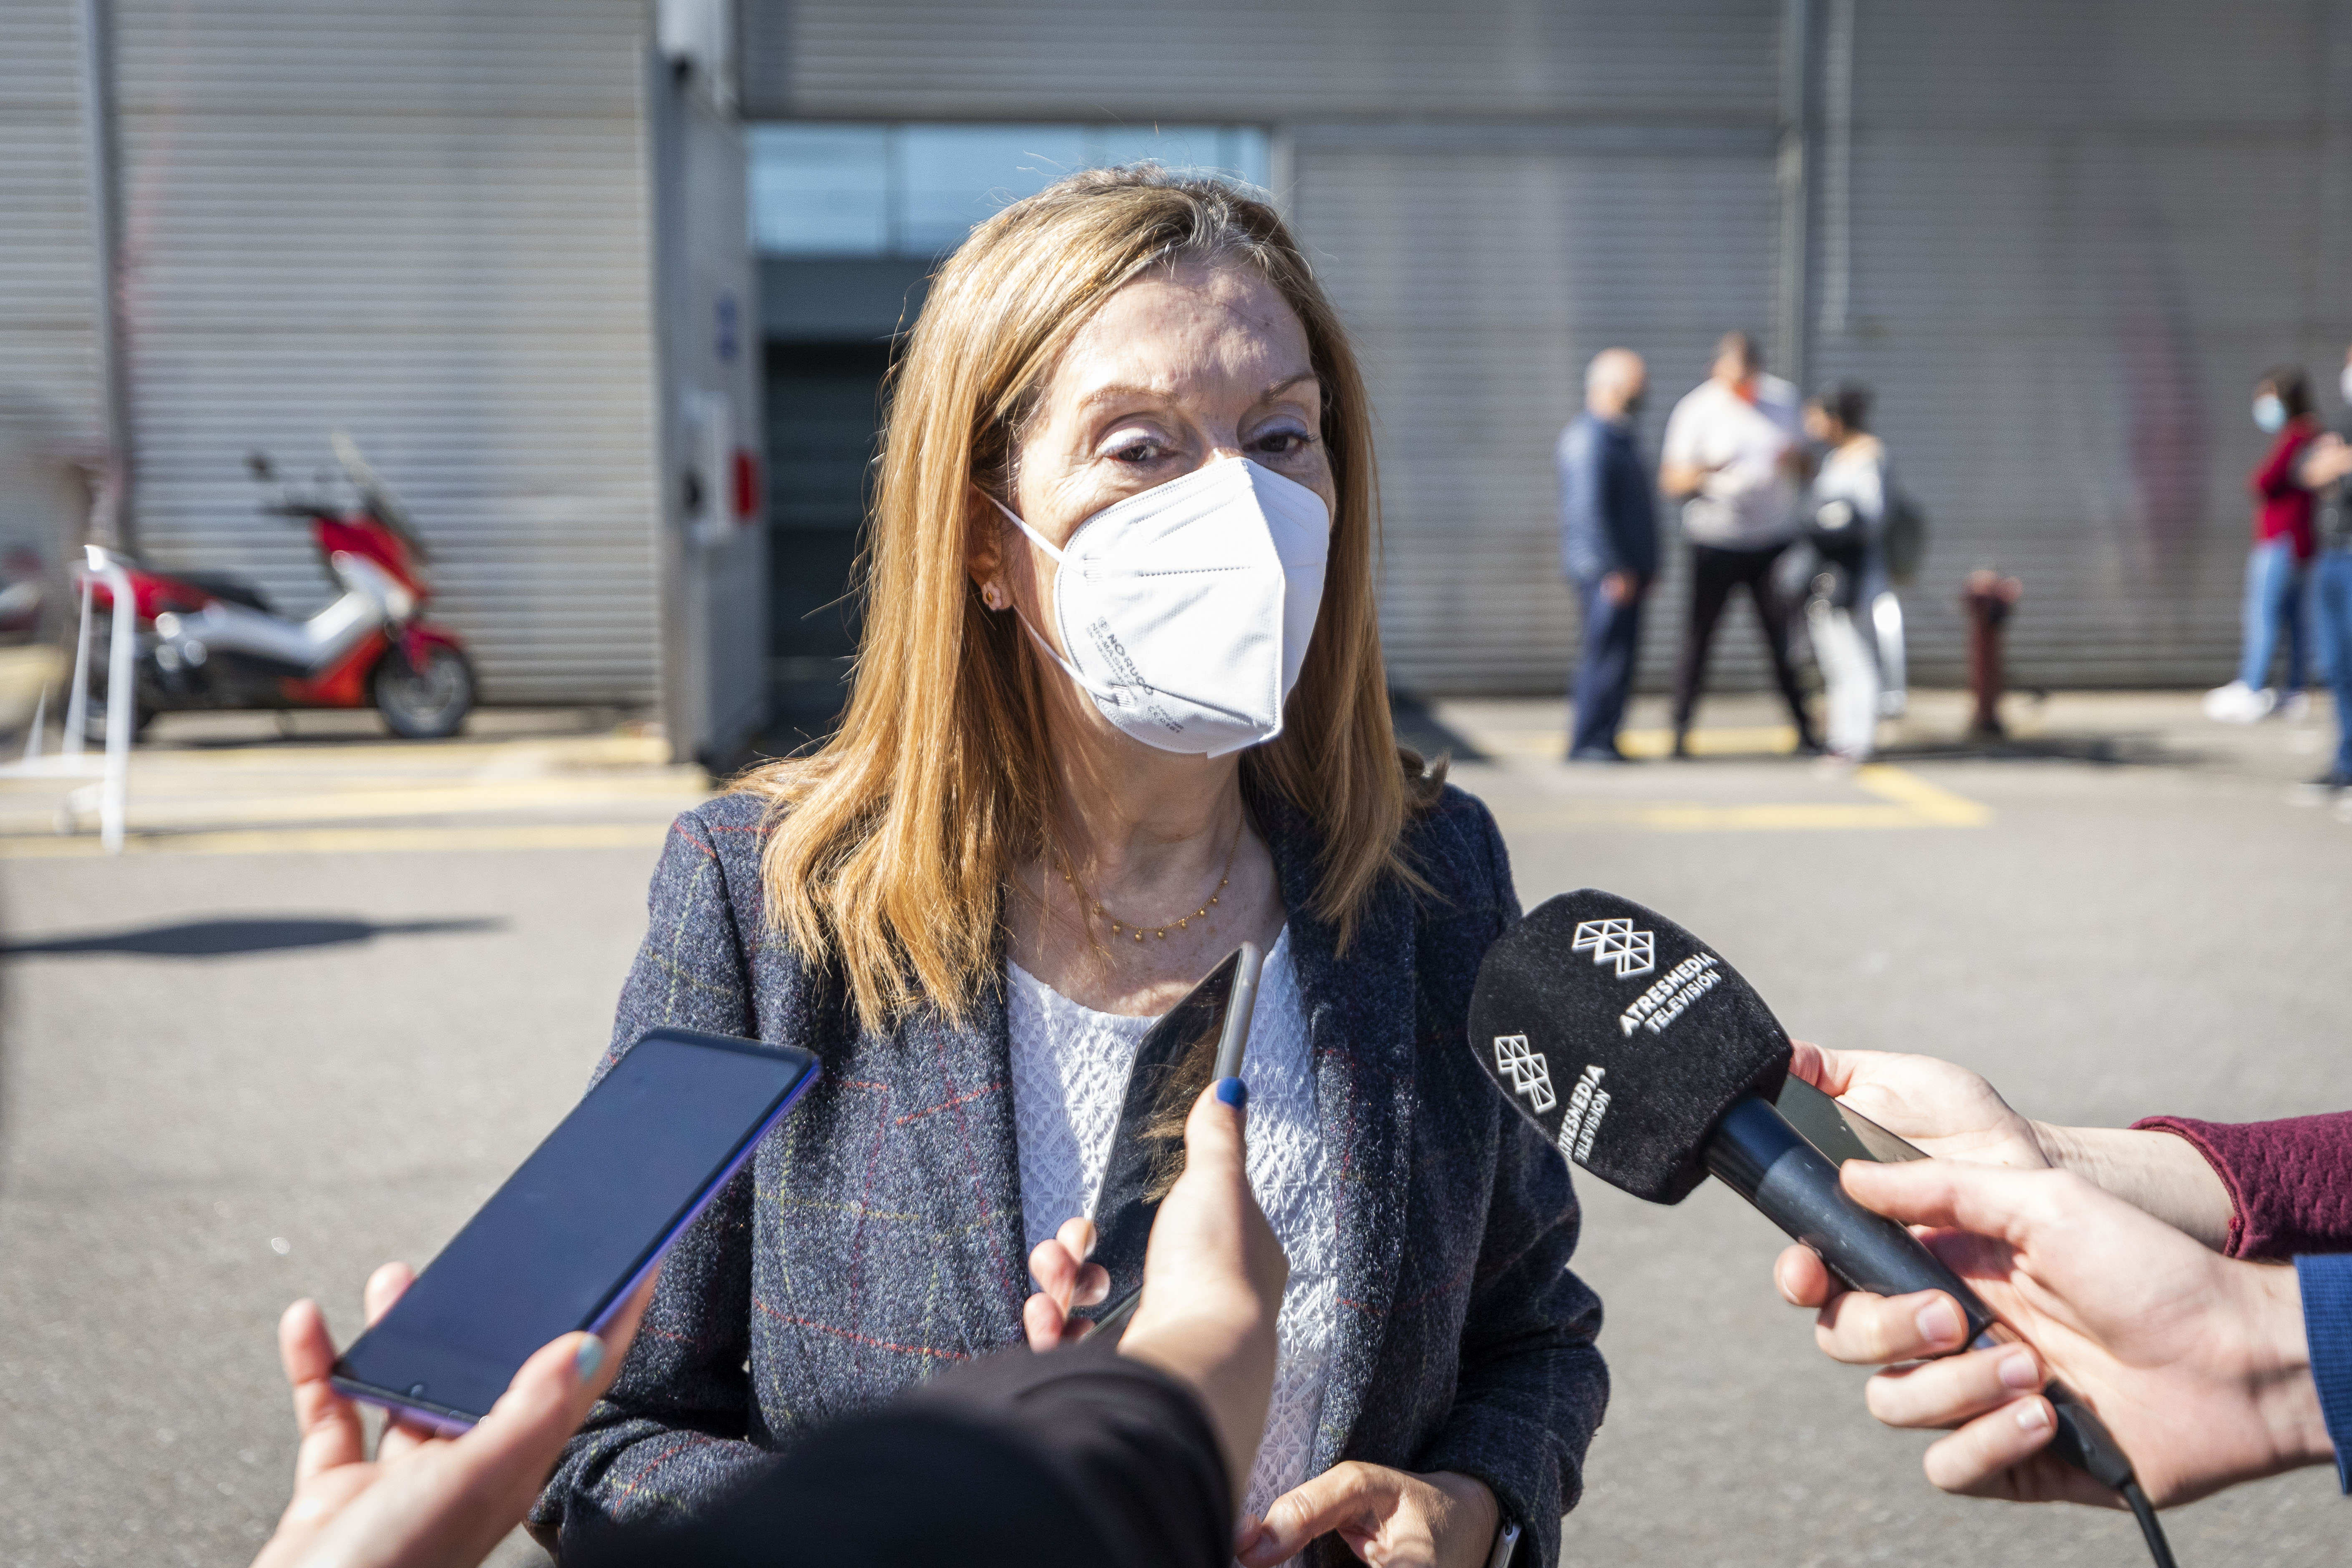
[[2104, 751], [1418, 727], [223, 938]]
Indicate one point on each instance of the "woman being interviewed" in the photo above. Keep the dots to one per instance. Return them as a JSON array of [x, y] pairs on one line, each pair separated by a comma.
[[1119, 708]]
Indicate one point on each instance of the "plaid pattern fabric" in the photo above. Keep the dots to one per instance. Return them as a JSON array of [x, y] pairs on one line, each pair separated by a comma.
[[875, 1238]]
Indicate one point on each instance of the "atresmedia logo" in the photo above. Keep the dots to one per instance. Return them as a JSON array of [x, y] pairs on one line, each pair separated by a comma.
[[1529, 1074], [1616, 941]]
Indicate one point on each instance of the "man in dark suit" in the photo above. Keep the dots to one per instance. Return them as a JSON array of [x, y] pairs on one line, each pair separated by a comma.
[[1609, 542]]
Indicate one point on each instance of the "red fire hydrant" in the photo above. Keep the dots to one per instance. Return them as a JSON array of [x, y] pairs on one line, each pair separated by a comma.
[[1988, 599]]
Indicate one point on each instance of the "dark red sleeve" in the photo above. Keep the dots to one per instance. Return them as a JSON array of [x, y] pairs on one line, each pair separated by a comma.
[[2290, 1182]]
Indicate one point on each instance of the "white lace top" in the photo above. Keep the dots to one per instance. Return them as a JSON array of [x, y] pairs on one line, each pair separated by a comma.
[[1069, 1078]]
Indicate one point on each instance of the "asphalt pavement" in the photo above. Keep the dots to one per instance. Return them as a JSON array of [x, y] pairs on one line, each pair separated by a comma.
[[267, 1050]]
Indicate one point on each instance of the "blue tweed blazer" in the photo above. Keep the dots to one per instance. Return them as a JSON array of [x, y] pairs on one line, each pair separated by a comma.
[[874, 1238]]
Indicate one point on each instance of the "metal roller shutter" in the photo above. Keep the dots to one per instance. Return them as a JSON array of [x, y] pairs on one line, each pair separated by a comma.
[[1239, 60], [2061, 242], [428, 223], [1478, 278], [48, 340]]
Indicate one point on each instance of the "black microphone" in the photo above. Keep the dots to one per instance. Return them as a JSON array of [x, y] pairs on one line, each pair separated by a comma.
[[1647, 1060]]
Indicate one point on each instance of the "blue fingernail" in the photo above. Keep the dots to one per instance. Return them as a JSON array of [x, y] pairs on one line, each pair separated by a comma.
[[591, 1356], [1233, 1092]]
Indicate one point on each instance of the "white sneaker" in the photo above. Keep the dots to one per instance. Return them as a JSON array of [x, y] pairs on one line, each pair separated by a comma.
[[2296, 709], [2238, 703]]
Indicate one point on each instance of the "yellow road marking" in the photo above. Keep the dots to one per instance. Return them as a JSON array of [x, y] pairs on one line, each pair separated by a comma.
[[424, 798], [355, 840], [1907, 788], [1769, 740], [1692, 816], [1909, 800], [560, 754]]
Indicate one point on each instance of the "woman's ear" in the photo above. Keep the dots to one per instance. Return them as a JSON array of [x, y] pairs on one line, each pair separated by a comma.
[[983, 555]]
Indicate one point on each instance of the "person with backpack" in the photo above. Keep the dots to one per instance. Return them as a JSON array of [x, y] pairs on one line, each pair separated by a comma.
[[1844, 520]]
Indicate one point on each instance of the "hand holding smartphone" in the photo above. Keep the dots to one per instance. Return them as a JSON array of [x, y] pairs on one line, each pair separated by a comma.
[[562, 1244]]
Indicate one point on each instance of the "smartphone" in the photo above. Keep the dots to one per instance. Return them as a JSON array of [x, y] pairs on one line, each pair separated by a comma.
[[1838, 1132], [1201, 1039], [576, 1228]]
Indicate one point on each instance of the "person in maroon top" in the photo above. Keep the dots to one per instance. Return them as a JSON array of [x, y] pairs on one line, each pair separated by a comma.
[[2281, 556]]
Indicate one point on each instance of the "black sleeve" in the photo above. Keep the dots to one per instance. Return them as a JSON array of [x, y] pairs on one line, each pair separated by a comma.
[[1080, 1457]]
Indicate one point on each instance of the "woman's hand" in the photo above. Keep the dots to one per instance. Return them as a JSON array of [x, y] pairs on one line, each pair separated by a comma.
[[1393, 1519], [426, 1500], [1064, 1279], [2328, 459]]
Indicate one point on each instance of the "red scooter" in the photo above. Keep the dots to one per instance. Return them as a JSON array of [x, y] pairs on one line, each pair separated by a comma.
[[207, 639]]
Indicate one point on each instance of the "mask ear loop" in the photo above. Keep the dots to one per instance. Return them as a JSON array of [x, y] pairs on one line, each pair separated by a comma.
[[1113, 695]]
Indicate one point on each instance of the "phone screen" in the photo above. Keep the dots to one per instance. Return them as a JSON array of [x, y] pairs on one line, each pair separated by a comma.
[[1837, 1130], [559, 1246]]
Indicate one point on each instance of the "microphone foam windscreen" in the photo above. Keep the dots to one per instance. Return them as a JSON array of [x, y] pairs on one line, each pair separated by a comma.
[[1623, 1037]]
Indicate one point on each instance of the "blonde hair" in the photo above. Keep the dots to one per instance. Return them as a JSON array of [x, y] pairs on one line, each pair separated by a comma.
[[891, 848]]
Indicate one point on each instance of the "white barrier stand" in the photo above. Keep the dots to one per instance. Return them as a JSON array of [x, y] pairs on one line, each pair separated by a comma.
[[40, 720], [78, 694], [121, 700], [112, 790]]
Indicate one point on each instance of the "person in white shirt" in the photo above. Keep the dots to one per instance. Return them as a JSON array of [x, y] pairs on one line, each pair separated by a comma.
[[1735, 458]]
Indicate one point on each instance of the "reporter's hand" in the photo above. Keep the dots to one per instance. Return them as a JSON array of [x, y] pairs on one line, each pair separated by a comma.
[[427, 1501], [1948, 1110], [2195, 1362], [1064, 1279], [1953, 1114], [1213, 1274], [1396, 1518]]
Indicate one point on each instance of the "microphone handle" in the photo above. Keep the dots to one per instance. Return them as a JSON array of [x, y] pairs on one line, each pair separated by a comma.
[[1768, 1163], [1756, 1152]]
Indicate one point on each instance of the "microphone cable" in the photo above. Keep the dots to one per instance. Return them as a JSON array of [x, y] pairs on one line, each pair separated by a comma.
[[2144, 1511], [2083, 1440]]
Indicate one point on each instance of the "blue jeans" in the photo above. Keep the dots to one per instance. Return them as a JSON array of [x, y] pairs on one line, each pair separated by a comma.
[[1604, 670], [2273, 603], [2331, 605]]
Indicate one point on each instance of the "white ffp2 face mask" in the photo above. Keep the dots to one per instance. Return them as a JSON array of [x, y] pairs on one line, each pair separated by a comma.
[[1185, 611]]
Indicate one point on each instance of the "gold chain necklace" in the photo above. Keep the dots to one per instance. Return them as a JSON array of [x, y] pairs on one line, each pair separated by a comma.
[[1162, 932]]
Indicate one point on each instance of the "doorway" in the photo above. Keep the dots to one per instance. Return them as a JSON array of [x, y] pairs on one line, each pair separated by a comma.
[[823, 412]]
